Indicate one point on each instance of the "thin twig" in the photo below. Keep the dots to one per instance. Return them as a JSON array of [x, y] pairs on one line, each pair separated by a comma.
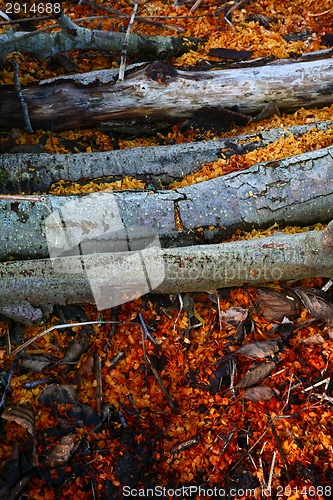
[[115, 360], [317, 384], [93, 7], [289, 389], [24, 106], [262, 482], [319, 14], [195, 6], [125, 44], [20, 197], [99, 388], [145, 329], [180, 298], [234, 7], [278, 442], [219, 312], [271, 472], [26, 20], [226, 16], [9, 378], [67, 325], [157, 376], [327, 286]]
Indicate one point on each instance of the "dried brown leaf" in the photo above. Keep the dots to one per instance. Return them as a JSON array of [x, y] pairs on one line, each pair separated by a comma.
[[236, 55], [330, 332], [235, 315], [35, 364], [61, 452], [256, 374], [75, 350], [258, 394], [317, 304], [56, 393], [21, 414], [314, 339], [86, 367], [259, 349], [277, 305]]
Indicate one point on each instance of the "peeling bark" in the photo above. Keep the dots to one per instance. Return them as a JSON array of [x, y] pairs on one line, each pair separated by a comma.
[[155, 164], [297, 191], [159, 92]]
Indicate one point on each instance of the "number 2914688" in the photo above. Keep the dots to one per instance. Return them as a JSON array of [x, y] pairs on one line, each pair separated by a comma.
[[35, 8]]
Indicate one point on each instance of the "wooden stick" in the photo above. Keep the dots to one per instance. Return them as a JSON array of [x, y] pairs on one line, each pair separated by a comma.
[[125, 44], [23, 103]]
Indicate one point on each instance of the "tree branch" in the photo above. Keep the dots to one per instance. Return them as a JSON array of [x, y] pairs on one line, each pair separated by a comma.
[[157, 165], [158, 92], [74, 37], [205, 268]]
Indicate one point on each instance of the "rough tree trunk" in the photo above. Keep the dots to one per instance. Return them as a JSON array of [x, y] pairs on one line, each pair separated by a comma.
[[159, 92], [26, 172], [204, 268], [297, 190]]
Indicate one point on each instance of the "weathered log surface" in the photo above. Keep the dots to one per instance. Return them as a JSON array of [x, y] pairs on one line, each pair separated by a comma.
[[156, 164], [297, 191], [159, 92], [74, 37], [36, 283]]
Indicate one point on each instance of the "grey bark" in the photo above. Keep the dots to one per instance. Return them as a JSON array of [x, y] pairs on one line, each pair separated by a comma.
[[74, 37], [159, 92], [155, 164], [297, 191], [37, 283]]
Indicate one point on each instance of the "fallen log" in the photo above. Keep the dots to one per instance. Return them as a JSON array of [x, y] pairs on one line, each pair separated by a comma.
[[74, 37], [155, 164], [297, 191], [37, 285], [158, 92]]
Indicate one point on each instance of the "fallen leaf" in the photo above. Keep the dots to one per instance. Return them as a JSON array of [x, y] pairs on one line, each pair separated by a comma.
[[277, 305], [259, 349], [256, 374], [21, 414], [61, 452], [34, 363], [56, 393], [317, 304], [258, 394], [86, 367], [316, 339], [236, 55], [235, 315]]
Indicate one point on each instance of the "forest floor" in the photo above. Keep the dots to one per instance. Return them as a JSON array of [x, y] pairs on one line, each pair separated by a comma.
[[231, 393]]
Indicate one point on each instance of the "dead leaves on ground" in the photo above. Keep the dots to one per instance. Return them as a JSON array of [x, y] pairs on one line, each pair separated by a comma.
[[212, 374]]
